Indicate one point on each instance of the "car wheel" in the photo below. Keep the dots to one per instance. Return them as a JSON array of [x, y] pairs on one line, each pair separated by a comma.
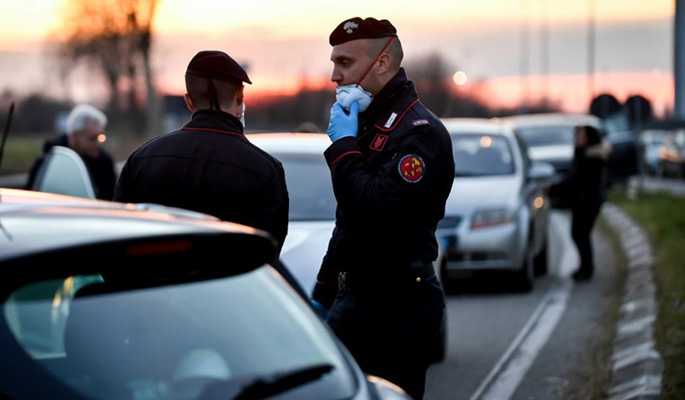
[[540, 261], [525, 276]]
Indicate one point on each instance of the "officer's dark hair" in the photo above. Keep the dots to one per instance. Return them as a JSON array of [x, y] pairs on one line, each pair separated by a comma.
[[394, 50], [199, 91]]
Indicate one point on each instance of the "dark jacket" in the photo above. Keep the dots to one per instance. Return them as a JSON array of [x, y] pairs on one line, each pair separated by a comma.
[[391, 184], [209, 166], [588, 178], [100, 168]]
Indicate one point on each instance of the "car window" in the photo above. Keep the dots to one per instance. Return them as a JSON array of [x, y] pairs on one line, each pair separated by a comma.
[[64, 172], [536, 136], [174, 341], [309, 187], [482, 155]]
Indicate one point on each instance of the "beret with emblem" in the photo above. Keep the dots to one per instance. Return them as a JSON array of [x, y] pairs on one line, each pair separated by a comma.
[[214, 64], [357, 28]]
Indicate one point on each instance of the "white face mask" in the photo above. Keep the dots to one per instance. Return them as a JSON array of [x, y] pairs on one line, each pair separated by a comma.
[[347, 94], [242, 115]]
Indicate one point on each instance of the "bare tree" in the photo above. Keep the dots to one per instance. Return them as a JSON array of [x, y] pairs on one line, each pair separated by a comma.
[[115, 38]]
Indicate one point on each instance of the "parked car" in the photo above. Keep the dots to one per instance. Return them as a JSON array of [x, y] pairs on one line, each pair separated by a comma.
[[550, 137], [107, 300], [498, 205], [651, 141], [312, 205]]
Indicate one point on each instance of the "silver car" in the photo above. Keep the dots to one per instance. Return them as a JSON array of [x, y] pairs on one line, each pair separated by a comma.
[[550, 137], [497, 206]]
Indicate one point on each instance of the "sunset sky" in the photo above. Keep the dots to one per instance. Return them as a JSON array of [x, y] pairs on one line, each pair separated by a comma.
[[284, 41]]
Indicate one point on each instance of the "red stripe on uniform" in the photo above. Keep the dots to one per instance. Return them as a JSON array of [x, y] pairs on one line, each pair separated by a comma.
[[399, 118], [345, 154]]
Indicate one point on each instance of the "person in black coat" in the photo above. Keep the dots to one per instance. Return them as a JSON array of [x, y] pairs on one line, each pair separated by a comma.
[[392, 169], [585, 188], [209, 165], [85, 134]]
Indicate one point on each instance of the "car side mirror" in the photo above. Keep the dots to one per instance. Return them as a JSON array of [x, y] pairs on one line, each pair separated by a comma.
[[541, 171]]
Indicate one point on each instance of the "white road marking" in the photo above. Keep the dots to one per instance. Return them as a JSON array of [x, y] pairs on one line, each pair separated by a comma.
[[503, 380]]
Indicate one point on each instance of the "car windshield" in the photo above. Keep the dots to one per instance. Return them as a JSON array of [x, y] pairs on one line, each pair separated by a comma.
[[309, 187], [481, 155], [180, 341], [536, 136]]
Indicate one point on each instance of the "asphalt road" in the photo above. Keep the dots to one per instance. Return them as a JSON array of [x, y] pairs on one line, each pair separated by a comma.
[[504, 344]]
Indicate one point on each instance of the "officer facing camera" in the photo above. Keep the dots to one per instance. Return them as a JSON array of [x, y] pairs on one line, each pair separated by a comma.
[[392, 170]]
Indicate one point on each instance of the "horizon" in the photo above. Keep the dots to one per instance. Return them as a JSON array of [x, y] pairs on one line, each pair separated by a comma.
[[285, 46]]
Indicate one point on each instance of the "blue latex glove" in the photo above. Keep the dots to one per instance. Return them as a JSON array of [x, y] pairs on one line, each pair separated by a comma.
[[343, 124]]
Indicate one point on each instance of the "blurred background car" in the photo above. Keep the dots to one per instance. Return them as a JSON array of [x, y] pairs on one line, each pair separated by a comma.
[[497, 205], [550, 137], [95, 293], [651, 141]]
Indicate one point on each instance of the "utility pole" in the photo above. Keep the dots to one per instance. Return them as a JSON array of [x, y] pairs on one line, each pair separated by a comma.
[[544, 48], [525, 54], [679, 57], [591, 49]]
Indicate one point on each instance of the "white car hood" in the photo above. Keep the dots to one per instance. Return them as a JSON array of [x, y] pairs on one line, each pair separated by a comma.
[[304, 248], [471, 193]]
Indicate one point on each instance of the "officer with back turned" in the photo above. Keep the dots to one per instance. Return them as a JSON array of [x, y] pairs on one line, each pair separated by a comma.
[[209, 165], [392, 170]]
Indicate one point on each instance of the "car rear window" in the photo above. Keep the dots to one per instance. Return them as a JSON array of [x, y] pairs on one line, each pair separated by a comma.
[[482, 155], [104, 340], [309, 187], [536, 136]]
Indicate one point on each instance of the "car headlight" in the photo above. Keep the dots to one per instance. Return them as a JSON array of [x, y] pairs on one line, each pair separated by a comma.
[[491, 217], [387, 390]]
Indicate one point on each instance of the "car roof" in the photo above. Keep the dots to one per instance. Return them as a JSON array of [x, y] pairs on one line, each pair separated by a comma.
[[33, 222], [551, 119], [475, 125], [291, 142]]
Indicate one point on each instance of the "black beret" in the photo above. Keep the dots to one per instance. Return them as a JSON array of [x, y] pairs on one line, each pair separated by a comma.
[[357, 28], [214, 64]]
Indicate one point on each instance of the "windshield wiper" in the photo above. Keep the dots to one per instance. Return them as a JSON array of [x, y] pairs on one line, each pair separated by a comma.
[[280, 382]]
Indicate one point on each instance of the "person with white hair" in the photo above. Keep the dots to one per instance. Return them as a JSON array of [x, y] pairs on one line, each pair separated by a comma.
[[85, 134]]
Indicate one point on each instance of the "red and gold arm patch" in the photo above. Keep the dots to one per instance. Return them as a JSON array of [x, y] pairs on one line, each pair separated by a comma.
[[411, 168]]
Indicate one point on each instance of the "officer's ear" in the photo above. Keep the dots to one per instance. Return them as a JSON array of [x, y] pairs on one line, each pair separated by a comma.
[[189, 103], [383, 64]]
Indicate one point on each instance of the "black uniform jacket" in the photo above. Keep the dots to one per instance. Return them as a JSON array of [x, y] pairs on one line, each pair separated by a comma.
[[100, 169], [209, 166], [391, 184]]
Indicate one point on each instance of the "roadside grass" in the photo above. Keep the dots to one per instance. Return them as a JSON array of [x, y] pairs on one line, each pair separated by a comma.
[[663, 217], [20, 151], [592, 383]]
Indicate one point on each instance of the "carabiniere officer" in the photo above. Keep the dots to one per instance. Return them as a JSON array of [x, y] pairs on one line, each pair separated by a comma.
[[392, 170]]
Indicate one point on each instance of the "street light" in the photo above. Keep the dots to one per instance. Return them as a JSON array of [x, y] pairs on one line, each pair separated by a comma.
[[460, 78]]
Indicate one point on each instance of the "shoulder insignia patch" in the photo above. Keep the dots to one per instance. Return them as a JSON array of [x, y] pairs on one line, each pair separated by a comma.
[[411, 168], [420, 122]]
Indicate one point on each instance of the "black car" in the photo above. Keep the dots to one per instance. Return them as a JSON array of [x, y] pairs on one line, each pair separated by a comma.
[[109, 300]]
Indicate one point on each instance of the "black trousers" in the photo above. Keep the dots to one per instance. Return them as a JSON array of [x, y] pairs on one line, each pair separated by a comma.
[[582, 221], [392, 331]]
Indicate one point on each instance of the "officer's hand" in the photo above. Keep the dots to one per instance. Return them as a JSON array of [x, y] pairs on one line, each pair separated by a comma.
[[343, 124]]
